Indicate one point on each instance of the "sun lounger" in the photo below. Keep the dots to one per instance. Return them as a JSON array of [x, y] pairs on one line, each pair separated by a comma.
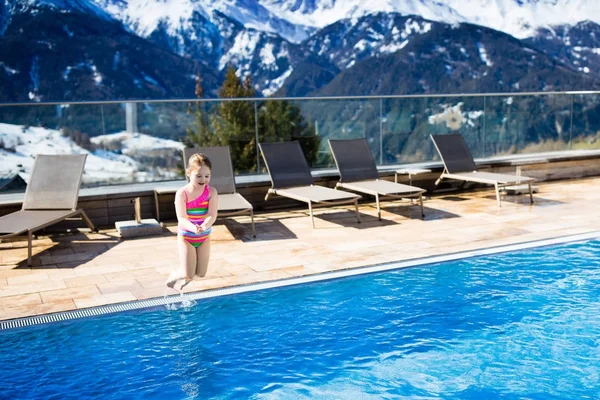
[[290, 177], [358, 172], [459, 165], [51, 196]]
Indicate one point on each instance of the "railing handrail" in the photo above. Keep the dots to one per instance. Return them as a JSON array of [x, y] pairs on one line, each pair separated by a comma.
[[311, 98]]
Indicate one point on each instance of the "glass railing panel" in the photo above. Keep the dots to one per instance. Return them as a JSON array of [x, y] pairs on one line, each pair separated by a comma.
[[286, 120], [342, 119], [585, 133], [409, 122], [226, 123], [28, 130], [32, 115], [142, 141], [163, 128], [93, 120], [24, 132], [527, 124]]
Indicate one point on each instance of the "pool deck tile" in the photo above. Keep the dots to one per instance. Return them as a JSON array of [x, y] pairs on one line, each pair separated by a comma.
[[80, 270]]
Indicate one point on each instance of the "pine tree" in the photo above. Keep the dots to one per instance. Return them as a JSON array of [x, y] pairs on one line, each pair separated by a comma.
[[234, 121], [200, 134]]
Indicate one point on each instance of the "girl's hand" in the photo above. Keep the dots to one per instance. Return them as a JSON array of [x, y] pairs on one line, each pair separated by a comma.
[[200, 228]]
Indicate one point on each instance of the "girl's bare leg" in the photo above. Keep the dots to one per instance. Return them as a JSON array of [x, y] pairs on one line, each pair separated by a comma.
[[203, 255], [187, 259]]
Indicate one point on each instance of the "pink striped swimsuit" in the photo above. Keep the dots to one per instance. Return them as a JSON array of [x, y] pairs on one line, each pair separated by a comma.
[[196, 211]]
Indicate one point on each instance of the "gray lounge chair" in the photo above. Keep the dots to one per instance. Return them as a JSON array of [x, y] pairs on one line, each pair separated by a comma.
[[460, 165], [51, 196], [290, 177], [358, 172]]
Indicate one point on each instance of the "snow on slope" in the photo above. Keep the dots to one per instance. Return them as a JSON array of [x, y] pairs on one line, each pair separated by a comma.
[[325, 12], [83, 6], [295, 20], [144, 16], [21, 144], [134, 142], [519, 18], [27, 142]]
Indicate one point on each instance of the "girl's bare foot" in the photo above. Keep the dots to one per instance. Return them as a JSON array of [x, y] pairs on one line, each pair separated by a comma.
[[171, 281], [184, 283]]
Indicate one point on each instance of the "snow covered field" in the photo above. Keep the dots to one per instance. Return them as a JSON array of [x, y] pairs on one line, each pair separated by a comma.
[[19, 146]]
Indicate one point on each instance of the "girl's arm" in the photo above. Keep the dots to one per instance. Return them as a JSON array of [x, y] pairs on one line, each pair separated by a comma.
[[181, 211], [213, 205]]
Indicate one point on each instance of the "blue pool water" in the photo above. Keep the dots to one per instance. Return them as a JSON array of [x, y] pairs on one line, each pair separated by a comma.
[[515, 325]]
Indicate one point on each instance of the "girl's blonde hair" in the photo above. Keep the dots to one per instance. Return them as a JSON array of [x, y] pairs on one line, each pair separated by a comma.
[[196, 162]]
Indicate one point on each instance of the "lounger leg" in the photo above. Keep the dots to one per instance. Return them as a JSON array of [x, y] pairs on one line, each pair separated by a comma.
[[252, 220], [378, 207], [437, 182], [421, 203], [88, 221], [157, 207], [357, 213], [530, 193], [497, 194], [312, 219], [29, 239]]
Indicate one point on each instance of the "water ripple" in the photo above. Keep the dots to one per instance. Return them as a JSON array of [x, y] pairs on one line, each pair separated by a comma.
[[518, 325]]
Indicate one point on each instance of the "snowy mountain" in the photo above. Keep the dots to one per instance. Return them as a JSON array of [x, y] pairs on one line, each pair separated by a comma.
[[577, 46], [443, 58], [123, 49], [348, 41], [53, 54], [261, 37], [295, 20], [146, 16], [11, 7], [519, 18]]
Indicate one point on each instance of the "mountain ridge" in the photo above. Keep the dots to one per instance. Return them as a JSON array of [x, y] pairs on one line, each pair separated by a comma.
[[42, 59]]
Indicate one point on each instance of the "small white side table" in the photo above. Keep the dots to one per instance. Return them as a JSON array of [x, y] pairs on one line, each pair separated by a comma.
[[410, 172], [520, 189]]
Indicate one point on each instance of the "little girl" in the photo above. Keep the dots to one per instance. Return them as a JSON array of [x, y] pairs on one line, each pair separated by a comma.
[[196, 207]]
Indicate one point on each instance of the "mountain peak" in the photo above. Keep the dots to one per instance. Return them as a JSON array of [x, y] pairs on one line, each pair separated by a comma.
[[519, 18]]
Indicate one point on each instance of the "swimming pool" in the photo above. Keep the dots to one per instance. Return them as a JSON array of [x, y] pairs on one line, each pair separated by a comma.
[[524, 324]]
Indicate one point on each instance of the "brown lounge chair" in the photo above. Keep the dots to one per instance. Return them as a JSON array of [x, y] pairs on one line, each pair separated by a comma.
[[222, 178], [460, 165], [358, 172], [51, 197], [290, 177]]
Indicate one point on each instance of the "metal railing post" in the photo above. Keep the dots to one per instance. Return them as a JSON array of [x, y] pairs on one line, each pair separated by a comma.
[[484, 126], [571, 127], [256, 136], [380, 131], [102, 115]]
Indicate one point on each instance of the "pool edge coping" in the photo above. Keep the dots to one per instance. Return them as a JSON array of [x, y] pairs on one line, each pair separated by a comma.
[[252, 287]]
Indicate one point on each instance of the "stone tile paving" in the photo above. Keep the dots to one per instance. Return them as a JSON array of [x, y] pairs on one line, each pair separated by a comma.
[[82, 270]]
